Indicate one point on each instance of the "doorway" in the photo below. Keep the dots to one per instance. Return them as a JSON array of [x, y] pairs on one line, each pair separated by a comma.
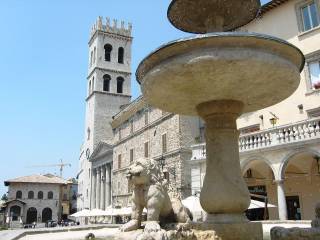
[[31, 215], [293, 208]]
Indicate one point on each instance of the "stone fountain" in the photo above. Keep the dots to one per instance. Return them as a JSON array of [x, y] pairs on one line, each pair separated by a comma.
[[218, 75]]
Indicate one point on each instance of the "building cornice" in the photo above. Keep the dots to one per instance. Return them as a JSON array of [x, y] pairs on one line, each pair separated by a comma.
[[133, 107], [108, 70], [140, 131], [111, 35], [108, 93]]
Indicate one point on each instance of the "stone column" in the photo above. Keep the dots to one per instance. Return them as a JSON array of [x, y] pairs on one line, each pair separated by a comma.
[[103, 188], [108, 185], [93, 188], [224, 195], [98, 188], [282, 203]]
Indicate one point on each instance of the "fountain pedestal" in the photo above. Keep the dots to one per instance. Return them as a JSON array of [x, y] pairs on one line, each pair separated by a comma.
[[223, 175]]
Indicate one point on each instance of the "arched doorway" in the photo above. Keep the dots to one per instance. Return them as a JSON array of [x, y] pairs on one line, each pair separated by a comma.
[[15, 213], [259, 177], [301, 174], [31, 215], [46, 214]]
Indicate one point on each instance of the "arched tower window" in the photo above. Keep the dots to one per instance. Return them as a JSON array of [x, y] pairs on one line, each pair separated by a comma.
[[120, 54], [107, 52], [30, 195], [50, 195], [120, 81], [18, 195], [92, 85], [106, 82], [89, 88]]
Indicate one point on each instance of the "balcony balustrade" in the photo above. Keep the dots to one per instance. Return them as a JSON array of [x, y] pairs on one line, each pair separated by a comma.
[[296, 133], [285, 134]]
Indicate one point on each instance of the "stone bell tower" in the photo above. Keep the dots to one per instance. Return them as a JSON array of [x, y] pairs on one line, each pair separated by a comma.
[[108, 89]]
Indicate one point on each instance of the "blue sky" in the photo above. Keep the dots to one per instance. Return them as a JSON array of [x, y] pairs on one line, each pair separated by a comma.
[[43, 66]]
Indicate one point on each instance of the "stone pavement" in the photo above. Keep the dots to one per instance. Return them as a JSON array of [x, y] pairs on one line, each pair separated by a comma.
[[24, 234]]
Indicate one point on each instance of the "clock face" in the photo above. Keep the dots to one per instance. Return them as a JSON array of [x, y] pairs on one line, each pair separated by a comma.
[[88, 153]]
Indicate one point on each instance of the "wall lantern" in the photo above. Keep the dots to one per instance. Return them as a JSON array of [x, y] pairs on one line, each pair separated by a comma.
[[273, 121]]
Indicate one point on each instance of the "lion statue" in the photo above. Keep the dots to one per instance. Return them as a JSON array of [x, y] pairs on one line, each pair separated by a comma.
[[150, 192]]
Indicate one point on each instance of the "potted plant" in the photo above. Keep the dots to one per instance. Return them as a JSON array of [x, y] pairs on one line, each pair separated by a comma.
[[316, 85]]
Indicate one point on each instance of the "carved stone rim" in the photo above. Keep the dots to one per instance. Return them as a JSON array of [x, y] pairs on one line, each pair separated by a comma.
[[187, 43]]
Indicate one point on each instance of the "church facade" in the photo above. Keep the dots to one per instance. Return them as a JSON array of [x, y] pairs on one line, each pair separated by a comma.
[[118, 131]]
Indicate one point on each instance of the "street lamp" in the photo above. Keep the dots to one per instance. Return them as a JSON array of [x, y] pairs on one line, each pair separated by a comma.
[[166, 171]]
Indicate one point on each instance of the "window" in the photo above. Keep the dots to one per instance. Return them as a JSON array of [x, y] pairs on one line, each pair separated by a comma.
[[15, 213], [131, 126], [94, 54], [314, 71], [146, 149], [40, 195], [120, 134], [120, 81], [250, 129], [91, 57], [50, 195], [310, 16], [314, 113], [164, 143], [30, 195], [92, 85], [119, 161], [107, 52], [146, 117], [131, 155], [88, 134], [106, 83], [120, 54], [18, 195], [89, 88]]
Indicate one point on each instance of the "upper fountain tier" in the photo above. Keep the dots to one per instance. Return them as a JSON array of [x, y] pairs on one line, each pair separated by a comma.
[[204, 16], [257, 70]]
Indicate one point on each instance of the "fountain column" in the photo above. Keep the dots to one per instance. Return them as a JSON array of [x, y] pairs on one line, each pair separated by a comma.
[[282, 203], [223, 175], [98, 188]]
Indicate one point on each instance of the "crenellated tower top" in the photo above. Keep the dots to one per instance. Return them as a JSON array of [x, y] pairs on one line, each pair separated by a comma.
[[116, 28]]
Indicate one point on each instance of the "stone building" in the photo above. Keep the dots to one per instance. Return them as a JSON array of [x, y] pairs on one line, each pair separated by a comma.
[[280, 145], [35, 198], [141, 131], [108, 89]]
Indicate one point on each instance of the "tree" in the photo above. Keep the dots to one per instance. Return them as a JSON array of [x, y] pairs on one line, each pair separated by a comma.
[[4, 197]]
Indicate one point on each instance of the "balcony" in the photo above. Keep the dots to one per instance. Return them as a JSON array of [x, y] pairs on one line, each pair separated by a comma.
[[295, 133], [298, 133]]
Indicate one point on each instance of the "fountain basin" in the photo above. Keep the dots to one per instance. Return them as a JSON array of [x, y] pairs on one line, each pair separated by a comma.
[[255, 69], [204, 16]]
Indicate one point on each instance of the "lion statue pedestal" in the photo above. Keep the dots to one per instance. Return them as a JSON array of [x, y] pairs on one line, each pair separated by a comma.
[[150, 192]]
